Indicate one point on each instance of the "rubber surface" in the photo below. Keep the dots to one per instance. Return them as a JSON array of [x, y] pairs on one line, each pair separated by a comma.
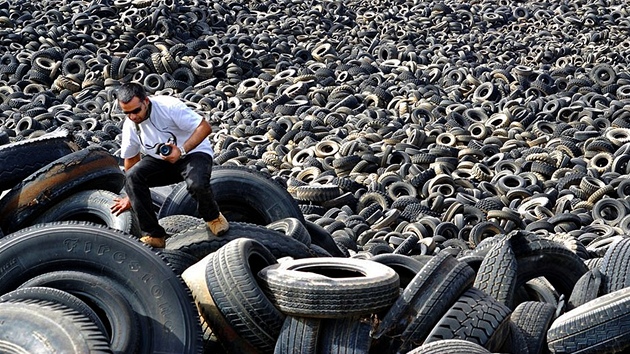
[[159, 294]]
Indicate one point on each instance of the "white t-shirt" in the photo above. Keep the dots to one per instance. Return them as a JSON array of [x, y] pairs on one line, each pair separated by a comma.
[[170, 117]]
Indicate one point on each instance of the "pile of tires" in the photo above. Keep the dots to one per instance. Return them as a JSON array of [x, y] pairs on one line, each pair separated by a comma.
[[479, 149], [276, 281]]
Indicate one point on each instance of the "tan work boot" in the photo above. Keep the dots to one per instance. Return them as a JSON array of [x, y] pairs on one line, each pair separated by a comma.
[[219, 225], [155, 242]]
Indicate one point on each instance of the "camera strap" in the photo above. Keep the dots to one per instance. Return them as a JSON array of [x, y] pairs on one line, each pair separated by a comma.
[[172, 139], [138, 132]]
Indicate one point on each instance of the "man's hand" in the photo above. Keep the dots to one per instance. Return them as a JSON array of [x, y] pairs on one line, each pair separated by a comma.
[[120, 205], [174, 155]]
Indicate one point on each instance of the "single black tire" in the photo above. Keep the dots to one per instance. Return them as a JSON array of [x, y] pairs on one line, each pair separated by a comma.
[[497, 273], [52, 295], [483, 230], [159, 294], [90, 168], [616, 266], [243, 195], [298, 335], [92, 206], [199, 241], [539, 257], [533, 319], [408, 245], [43, 327], [232, 279], [587, 288], [216, 329], [476, 317], [429, 295], [330, 287], [599, 326], [21, 158], [317, 193], [349, 335]]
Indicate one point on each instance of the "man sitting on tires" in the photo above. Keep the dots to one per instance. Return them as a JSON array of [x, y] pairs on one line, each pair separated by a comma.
[[164, 142]]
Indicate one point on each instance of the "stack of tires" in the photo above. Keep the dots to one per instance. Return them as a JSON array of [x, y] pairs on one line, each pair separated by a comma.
[[75, 278], [277, 281]]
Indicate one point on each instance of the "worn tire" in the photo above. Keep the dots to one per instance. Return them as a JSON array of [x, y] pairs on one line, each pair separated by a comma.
[[533, 319], [599, 326], [615, 266], [94, 206], [213, 322], [587, 288], [476, 317], [539, 257], [498, 271], [174, 224], [330, 287], [243, 195], [232, 279], [431, 293], [21, 158], [349, 335], [30, 326], [298, 332], [293, 228], [90, 168]]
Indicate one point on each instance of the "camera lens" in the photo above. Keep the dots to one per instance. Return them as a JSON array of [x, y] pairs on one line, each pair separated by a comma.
[[165, 150]]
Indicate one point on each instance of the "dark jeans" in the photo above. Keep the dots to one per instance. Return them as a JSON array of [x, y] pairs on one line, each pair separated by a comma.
[[195, 169]]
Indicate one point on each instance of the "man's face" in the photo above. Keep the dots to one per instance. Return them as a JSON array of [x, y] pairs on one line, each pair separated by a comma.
[[136, 110]]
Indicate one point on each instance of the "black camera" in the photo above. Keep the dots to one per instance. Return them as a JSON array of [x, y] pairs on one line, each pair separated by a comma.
[[164, 149]]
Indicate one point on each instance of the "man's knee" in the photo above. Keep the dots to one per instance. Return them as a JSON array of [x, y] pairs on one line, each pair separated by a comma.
[[132, 176]]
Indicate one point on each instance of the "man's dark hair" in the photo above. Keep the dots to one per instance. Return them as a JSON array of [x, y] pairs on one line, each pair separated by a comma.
[[127, 91]]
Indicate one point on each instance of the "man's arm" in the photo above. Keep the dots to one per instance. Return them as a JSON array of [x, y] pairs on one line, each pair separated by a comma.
[[201, 132], [130, 162]]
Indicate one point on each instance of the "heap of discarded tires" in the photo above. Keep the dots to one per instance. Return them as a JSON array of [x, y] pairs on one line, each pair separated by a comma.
[[458, 169]]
